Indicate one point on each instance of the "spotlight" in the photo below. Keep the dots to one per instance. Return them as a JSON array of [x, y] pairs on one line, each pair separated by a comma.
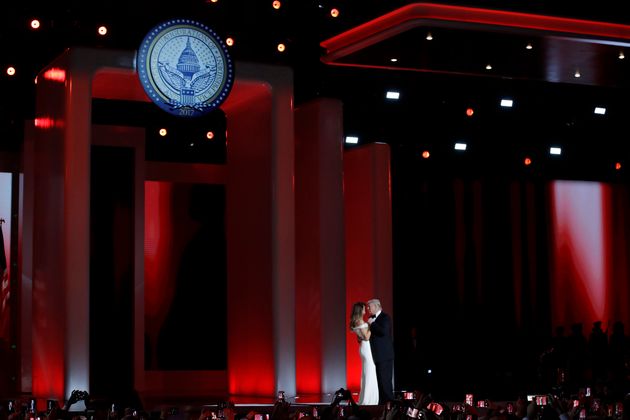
[[555, 151], [11, 71], [429, 37], [600, 110], [276, 4], [621, 55], [460, 146], [618, 166], [162, 132], [393, 60], [507, 103], [281, 47], [529, 46], [527, 161], [426, 154], [488, 66], [102, 30], [392, 94], [209, 135], [469, 112], [577, 74], [334, 12], [35, 24], [352, 140], [229, 41]]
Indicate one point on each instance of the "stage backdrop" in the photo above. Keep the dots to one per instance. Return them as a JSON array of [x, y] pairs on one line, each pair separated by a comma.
[[485, 269]]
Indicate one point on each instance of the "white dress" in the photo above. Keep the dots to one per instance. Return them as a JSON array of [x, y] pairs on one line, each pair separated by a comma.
[[369, 386]]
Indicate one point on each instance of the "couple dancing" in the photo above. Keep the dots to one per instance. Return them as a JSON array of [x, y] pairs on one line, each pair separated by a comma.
[[376, 350]]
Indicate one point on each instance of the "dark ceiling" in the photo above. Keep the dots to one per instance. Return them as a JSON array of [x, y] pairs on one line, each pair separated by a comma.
[[438, 79]]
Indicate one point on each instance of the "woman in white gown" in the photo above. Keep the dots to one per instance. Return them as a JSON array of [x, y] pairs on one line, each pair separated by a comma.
[[369, 386]]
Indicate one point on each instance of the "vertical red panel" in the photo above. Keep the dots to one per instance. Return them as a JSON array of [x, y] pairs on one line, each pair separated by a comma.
[[367, 191], [308, 311], [578, 287], [251, 363], [320, 268]]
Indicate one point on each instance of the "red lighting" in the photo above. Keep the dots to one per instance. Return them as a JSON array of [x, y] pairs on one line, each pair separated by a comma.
[[35, 24], [527, 161], [334, 12], [617, 166], [426, 154], [46, 123], [55, 74], [470, 112], [276, 4], [417, 14], [11, 71]]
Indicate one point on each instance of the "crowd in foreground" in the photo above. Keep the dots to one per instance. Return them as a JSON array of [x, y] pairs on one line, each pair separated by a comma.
[[411, 406]]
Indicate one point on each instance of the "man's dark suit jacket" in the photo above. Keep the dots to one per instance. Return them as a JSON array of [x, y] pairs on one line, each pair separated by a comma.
[[381, 338]]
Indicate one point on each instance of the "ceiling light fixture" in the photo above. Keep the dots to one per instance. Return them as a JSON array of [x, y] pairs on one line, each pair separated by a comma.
[[392, 94], [352, 140], [488, 66], [460, 146], [577, 74], [393, 60], [621, 55], [529, 46], [599, 110], [507, 103], [429, 36], [555, 151]]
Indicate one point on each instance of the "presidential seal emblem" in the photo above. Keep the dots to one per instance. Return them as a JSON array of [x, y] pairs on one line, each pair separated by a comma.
[[185, 68]]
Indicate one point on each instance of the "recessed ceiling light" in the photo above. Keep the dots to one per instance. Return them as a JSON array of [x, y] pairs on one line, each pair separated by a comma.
[[621, 55], [529, 46], [488, 66], [460, 146], [429, 36], [393, 60], [599, 110], [352, 139], [391, 94], [555, 151], [507, 103], [577, 74]]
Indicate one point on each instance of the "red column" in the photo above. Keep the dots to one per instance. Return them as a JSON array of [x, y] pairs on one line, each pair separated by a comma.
[[321, 324], [368, 216]]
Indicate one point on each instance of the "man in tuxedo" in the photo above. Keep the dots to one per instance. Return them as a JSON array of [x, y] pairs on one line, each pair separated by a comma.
[[382, 346]]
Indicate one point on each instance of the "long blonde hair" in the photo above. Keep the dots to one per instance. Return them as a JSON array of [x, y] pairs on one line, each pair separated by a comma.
[[357, 314]]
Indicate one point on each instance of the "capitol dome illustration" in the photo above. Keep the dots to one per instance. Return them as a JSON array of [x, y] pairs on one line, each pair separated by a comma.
[[188, 62]]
